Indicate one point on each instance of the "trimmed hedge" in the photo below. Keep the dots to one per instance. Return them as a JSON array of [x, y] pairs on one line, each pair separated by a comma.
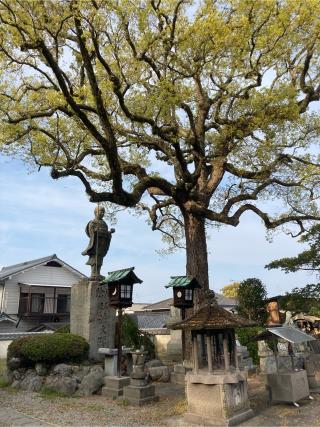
[[63, 329], [50, 349]]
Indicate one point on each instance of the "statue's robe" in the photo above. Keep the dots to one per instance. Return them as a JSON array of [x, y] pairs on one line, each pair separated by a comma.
[[100, 238]]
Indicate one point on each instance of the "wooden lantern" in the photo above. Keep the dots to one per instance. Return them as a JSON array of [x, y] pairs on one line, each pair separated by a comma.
[[120, 287], [183, 290]]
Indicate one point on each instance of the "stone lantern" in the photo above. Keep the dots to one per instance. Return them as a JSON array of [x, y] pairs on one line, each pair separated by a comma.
[[216, 388]]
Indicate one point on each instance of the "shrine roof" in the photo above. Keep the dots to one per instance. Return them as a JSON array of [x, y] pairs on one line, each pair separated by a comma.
[[126, 274], [211, 316], [182, 282]]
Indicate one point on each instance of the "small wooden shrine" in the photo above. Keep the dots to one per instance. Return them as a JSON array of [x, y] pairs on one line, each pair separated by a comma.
[[216, 388]]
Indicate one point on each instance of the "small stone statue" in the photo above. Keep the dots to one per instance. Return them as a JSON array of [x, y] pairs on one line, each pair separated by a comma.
[[138, 359], [100, 238]]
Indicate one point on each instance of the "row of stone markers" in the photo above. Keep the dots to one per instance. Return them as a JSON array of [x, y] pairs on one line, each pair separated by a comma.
[[216, 387]]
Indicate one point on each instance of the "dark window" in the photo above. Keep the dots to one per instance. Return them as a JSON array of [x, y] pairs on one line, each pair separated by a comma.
[[23, 303], [37, 303], [63, 303], [188, 294], [126, 291]]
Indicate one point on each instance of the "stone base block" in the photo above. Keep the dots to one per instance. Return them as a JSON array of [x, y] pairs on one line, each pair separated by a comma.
[[114, 386], [176, 378], [205, 421], [140, 395], [217, 399], [288, 387], [178, 374]]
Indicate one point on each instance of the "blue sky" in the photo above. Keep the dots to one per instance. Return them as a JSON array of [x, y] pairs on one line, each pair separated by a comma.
[[40, 216]]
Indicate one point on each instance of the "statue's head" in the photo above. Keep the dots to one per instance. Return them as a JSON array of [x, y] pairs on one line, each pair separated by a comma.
[[99, 212]]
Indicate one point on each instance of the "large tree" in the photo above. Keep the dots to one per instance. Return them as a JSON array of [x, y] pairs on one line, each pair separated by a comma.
[[193, 111]]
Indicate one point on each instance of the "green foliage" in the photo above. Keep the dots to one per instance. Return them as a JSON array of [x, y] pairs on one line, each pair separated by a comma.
[[133, 337], [15, 348], [231, 290], [50, 348], [251, 300], [218, 92], [244, 336], [308, 260], [63, 330], [306, 300]]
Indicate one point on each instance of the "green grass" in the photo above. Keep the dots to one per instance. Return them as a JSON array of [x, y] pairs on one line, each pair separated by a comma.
[[95, 407], [50, 394], [3, 366], [4, 383]]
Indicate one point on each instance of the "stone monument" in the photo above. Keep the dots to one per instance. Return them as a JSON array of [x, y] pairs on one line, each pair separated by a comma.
[[90, 314], [139, 392]]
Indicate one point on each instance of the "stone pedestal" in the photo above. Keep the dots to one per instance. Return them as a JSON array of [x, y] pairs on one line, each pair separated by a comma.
[[139, 392], [178, 376], [111, 357], [91, 317], [113, 386], [288, 387], [218, 399]]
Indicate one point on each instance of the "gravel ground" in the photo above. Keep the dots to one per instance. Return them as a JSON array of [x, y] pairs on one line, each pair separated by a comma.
[[93, 410], [100, 411]]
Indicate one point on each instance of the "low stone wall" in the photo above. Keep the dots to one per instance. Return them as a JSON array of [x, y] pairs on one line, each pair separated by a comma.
[[70, 380]]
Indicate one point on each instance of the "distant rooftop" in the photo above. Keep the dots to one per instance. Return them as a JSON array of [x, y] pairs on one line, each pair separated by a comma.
[[167, 303], [11, 270]]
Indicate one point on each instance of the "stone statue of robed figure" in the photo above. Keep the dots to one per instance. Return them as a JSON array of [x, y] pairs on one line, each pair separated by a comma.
[[100, 238]]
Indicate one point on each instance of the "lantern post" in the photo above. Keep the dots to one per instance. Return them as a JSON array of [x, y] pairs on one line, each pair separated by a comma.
[[120, 288], [183, 296]]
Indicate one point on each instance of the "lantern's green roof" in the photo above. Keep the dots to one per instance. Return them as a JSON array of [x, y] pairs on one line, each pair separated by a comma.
[[126, 274], [182, 282]]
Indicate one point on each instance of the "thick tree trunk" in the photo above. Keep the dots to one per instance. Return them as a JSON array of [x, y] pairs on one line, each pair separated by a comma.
[[197, 266], [197, 256]]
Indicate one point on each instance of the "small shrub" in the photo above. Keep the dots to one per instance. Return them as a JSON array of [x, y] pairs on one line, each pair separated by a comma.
[[244, 336], [50, 349], [63, 330]]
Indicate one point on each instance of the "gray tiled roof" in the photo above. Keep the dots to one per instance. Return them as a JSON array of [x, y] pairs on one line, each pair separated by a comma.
[[150, 320], [18, 268], [165, 304]]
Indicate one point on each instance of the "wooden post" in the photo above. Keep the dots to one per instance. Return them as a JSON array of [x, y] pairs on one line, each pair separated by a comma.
[[209, 352], [183, 334], [225, 351], [119, 343], [54, 300], [195, 353], [234, 341], [29, 300]]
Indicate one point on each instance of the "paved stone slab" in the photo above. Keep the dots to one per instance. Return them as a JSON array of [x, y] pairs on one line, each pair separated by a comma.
[[12, 418]]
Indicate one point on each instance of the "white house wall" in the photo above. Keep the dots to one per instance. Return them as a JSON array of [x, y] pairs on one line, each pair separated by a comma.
[[53, 276]]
